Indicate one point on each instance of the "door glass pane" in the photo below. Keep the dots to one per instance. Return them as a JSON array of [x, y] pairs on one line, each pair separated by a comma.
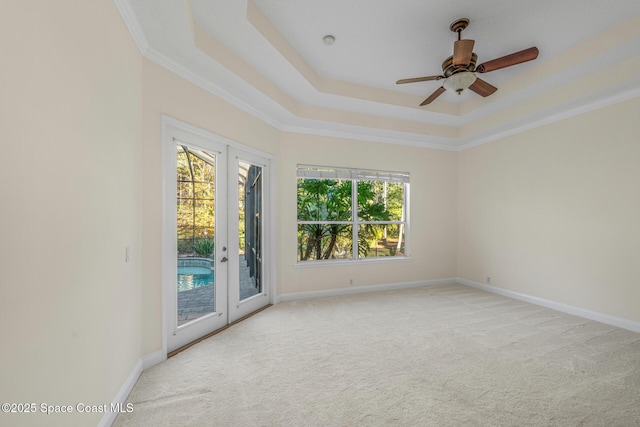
[[250, 229], [195, 233]]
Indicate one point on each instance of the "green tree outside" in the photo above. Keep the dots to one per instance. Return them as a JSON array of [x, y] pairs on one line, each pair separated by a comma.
[[196, 201], [329, 201]]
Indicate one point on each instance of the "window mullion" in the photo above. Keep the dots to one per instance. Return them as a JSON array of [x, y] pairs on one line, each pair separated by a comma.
[[355, 217], [405, 218], [325, 222]]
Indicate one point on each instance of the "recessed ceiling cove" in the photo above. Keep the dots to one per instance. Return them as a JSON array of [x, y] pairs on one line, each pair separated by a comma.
[[269, 58]]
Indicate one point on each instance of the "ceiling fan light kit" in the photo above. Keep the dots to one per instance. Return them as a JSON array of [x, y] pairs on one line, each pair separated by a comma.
[[459, 71], [459, 81]]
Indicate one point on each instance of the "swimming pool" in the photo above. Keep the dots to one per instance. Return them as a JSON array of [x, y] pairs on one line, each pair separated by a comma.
[[193, 276]]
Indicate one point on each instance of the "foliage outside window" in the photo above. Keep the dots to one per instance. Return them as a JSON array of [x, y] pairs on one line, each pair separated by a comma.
[[351, 214], [195, 199]]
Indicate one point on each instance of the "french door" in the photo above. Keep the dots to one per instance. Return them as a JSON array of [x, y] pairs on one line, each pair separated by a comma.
[[249, 178], [214, 233]]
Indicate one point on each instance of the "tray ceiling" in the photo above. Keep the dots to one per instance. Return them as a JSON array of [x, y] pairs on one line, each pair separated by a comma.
[[268, 58]]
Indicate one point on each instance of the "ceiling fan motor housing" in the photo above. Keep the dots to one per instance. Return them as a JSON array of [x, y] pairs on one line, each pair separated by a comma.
[[449, 69]]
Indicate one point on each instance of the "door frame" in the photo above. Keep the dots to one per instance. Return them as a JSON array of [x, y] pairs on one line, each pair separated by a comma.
[[171, 128], [238, 309]]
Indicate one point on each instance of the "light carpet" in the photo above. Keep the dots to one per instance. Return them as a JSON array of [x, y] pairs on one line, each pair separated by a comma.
[[445, 355]]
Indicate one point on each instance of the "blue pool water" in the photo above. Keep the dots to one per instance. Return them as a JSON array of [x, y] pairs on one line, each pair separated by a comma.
[[194, 277]]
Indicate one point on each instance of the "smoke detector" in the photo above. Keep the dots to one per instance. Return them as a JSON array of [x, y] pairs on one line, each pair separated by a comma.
[[328, 40]]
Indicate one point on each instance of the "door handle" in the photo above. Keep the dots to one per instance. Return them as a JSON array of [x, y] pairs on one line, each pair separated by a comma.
[[224, 259]]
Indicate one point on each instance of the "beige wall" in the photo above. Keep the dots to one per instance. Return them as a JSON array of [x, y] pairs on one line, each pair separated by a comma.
[[164, 93], [433, 175], [554, 212], [70, 183], [433, 208]]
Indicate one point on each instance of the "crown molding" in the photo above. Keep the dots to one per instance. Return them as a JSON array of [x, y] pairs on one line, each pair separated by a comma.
[[286, 121], [563, 112], [133, 25]]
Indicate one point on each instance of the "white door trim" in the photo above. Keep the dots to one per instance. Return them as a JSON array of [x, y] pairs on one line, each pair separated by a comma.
[[171, 128], [237, 308]]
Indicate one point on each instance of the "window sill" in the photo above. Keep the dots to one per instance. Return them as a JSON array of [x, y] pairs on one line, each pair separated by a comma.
[[337, 262]]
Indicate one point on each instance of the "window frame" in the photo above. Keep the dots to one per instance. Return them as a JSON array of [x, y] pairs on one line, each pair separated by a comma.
[[355, 175]]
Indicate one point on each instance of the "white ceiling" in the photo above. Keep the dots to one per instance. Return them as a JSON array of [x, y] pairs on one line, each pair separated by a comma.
[[267, 57]]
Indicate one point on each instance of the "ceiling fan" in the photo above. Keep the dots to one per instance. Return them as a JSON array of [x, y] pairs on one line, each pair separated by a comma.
[[459, 70]]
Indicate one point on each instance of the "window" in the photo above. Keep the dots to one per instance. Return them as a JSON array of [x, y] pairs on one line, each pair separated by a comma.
[[195, 199], [351, 214]]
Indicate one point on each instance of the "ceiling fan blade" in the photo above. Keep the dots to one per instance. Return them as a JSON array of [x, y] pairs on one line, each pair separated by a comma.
[[482, 88], [419, 79], [508, 60], [462, 51], [433, 96]]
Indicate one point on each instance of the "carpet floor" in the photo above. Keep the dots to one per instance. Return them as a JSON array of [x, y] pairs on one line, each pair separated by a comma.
[[445, 355]]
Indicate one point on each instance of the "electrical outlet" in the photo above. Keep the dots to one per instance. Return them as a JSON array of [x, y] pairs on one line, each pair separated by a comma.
[[350, 282], [488, 280], [127, 253]]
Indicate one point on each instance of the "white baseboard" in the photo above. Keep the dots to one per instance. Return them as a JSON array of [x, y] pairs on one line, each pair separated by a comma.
[[361, 289], [142, 364], [569, 309], [156, 357], [153, 359], [109, 417]]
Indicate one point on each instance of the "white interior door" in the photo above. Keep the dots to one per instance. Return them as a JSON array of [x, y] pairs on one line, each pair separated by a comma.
[[214, 232]]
